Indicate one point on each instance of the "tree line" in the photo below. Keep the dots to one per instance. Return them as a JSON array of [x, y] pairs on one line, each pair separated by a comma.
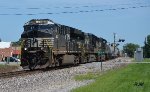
[[130, 48], [146, 47]]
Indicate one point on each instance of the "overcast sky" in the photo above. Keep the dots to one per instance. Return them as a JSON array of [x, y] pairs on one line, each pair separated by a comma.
[[129, 19]]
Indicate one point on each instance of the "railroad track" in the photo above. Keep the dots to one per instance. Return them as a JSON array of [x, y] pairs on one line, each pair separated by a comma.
[[28, 72], [16, 73]]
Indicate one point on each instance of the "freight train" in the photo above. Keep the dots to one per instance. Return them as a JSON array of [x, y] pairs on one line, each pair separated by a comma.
[[49, 44]]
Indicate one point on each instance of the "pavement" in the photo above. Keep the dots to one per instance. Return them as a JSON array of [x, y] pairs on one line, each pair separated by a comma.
[[10, 63]]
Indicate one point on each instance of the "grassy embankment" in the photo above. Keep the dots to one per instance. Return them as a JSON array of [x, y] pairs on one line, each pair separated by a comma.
[[132, 78]]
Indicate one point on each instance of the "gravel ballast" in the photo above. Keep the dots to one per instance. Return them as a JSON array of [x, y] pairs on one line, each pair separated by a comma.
[[60, 80]]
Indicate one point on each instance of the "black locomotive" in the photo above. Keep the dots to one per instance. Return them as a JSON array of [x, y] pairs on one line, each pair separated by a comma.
[[49, 44]]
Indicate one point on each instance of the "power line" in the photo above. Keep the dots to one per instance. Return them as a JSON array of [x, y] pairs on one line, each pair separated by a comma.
[[67, 7], [80, 11]]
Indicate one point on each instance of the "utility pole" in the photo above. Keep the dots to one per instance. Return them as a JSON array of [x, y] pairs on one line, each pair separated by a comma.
[[114, 43]]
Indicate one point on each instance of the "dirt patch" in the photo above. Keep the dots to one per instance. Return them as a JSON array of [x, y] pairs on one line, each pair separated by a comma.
[[7, 68]]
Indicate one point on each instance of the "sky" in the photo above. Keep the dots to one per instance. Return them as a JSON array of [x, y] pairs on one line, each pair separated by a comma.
[[129, 19]]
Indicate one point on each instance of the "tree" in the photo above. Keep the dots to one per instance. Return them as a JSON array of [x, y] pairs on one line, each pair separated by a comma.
[[130, 48], [146, 47], [17, 43]]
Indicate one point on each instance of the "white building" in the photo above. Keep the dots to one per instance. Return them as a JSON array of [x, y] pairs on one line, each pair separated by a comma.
[[5, 45]]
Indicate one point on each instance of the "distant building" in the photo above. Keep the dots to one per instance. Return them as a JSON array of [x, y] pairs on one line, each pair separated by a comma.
[[6, 50], [16, 51], [5, 44]]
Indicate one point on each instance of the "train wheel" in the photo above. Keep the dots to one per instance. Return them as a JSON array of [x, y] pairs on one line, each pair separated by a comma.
[[57, 63], [53, 65], [32, 67], [32, 64], [76, 61]]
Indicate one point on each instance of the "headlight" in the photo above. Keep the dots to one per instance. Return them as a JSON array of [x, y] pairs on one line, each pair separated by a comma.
[[25, 48]]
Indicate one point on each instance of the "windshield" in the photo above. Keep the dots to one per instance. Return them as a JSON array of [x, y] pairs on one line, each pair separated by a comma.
[[41, 31], [42, 27], [30, 28], [38, 27]]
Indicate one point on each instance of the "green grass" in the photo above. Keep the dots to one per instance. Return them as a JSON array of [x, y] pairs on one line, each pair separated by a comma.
[[147, 60], [87, 76], [1, 66], [121, 80]]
